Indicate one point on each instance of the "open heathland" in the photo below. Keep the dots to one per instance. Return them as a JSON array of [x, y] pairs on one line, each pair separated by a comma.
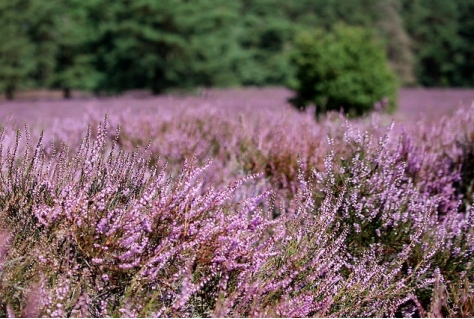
[[234, 204]]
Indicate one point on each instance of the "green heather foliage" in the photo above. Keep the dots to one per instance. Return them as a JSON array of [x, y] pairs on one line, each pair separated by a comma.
[[342, 69]]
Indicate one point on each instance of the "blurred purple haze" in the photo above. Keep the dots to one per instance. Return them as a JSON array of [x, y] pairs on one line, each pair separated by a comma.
[[412, 103]]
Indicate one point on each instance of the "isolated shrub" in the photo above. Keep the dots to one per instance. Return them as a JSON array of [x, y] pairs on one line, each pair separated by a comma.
[[344, 68]]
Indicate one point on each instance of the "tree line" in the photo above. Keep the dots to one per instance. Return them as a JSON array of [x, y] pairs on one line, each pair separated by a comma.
[[109, 46]]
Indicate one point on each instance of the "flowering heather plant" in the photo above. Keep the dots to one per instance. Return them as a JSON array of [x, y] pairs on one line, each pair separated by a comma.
[[290, 218]]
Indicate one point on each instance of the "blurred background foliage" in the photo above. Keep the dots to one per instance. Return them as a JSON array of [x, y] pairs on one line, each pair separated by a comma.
[[107, 47]]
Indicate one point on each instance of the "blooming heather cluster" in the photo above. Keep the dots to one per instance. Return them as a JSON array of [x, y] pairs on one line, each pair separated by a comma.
[[290, 218]]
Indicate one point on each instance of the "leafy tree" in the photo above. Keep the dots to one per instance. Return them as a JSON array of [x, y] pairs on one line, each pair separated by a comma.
[[398, 44], [433, 25], [344, 68], [268, 29], [75, 58], [165, 44], [466, 33], [16, 50], [61, 34], [265, 34], [43, 32], [213, 52]]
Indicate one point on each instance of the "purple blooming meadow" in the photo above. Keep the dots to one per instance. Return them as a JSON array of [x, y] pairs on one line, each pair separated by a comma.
[[206, 211]]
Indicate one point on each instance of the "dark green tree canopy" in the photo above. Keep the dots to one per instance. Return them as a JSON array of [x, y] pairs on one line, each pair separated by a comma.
[[162, 44], [115, 45], [16, 50]]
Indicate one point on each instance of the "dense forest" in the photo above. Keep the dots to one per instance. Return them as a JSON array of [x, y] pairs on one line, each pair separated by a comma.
[[107, 46]]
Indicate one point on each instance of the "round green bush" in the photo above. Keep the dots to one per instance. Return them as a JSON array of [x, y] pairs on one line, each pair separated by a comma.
[[342, 69]]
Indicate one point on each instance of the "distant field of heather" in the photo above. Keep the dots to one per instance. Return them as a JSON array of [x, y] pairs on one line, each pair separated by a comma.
[[232, 204]]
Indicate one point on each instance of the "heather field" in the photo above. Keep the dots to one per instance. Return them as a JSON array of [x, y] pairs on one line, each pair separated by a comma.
[[229, 203]]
